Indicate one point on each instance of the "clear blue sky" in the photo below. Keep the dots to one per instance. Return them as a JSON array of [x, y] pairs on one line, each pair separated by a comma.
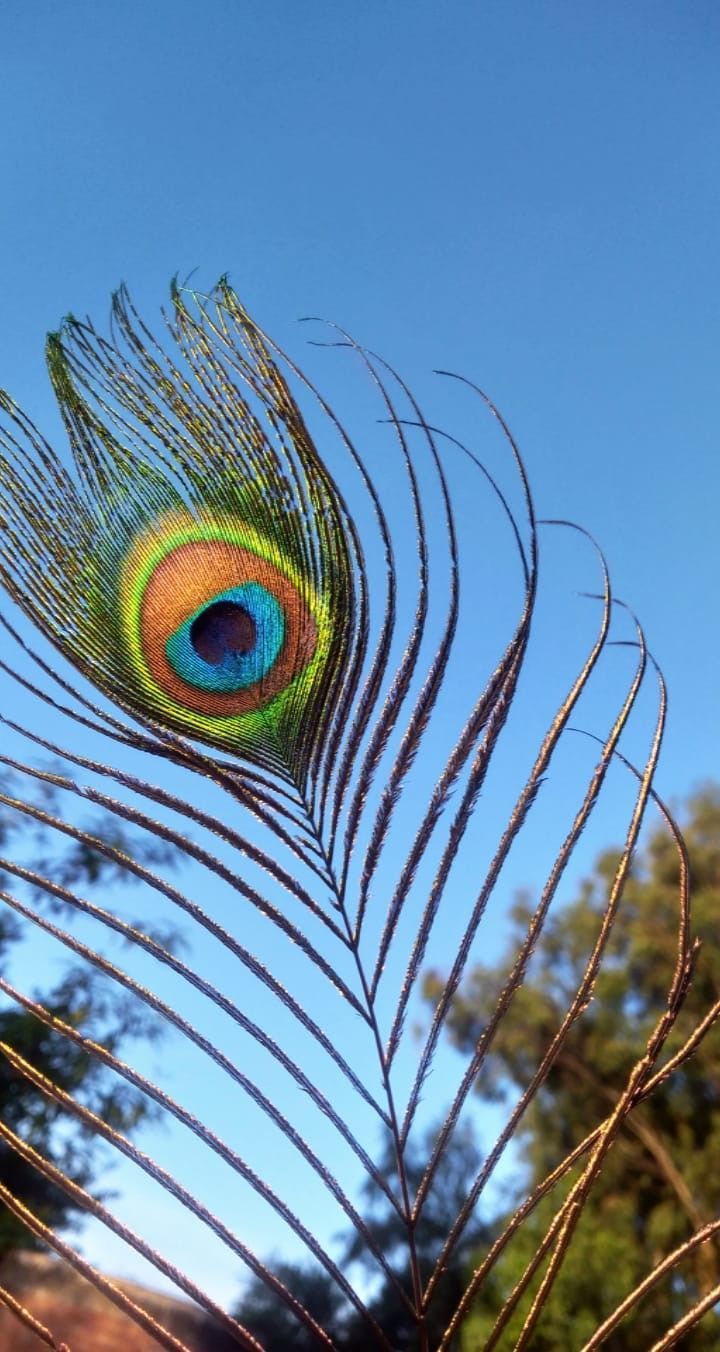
[[528, 193]]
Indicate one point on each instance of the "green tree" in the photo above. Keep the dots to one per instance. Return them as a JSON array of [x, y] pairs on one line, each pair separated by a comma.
[[661, 1181], [82, 998]]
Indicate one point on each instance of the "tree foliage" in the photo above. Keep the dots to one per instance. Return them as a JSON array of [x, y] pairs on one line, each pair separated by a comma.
[[81, 998], [661, 1183]]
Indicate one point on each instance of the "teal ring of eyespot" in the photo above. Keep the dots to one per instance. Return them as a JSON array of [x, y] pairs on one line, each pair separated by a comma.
[[236, 670]]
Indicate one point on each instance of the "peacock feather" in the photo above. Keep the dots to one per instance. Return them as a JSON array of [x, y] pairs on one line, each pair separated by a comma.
[[295, 644]]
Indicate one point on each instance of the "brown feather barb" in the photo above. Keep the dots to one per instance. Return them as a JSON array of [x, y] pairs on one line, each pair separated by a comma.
[[298, 661]]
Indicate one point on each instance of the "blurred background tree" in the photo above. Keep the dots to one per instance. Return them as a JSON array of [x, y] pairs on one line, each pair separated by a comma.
[[661, 1181], [82, 998], [262, 1314]]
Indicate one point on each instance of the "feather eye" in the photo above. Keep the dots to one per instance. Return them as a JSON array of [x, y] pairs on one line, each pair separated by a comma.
[[198, 568], [215, 629]]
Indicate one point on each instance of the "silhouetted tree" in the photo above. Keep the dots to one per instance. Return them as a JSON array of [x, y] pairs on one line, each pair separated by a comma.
[[278, 1329]]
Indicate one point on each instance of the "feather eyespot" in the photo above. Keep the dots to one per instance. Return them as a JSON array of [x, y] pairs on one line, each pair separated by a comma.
[[231, 642], [219, 629]]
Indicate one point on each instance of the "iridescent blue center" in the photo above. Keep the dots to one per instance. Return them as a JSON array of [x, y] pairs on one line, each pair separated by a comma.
[[231, 641]]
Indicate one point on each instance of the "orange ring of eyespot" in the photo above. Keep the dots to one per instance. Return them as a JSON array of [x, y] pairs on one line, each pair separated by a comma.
[[192, 575]]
